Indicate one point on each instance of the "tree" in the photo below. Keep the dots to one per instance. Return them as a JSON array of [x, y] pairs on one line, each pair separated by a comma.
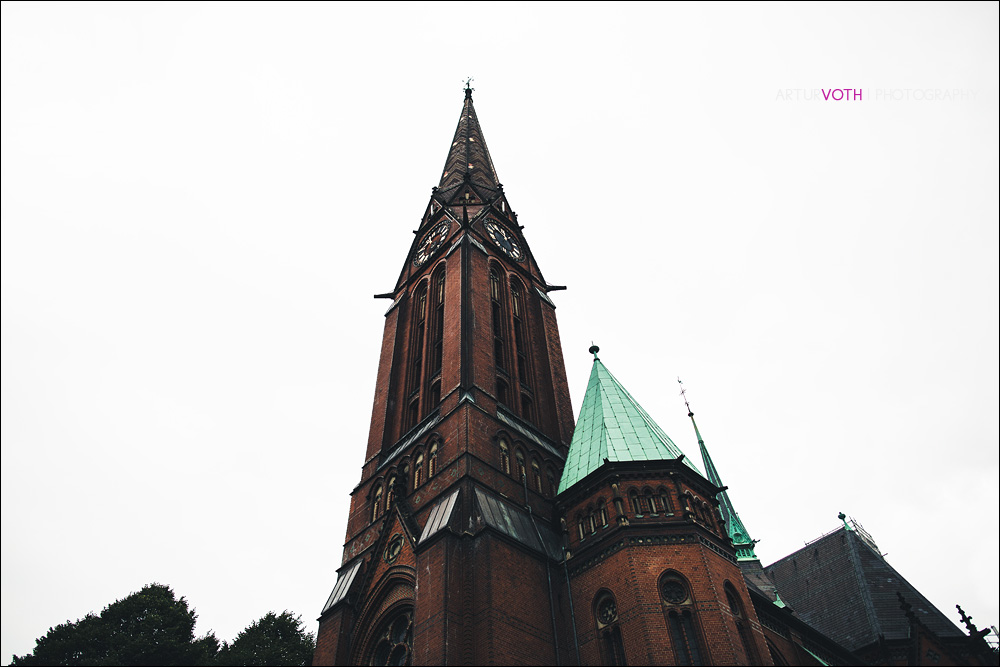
[[150, 627], [273, 640]]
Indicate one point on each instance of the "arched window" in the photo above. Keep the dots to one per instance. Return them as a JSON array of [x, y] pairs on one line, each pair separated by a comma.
[[416, 354], [633, 499], [521, 473], [736, 607], [496, 301], [678, 605], [606, 618], [504, 456], [432, 461], [536, 476], [390, 491], [648, 501], [377, 503], [520, 337], [393, 643], [602, 516], [550, 477], [437, 337], [664, 498], [418, 470], [592, 522], [580, 524]]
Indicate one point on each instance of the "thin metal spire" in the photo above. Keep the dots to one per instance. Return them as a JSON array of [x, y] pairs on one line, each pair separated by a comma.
[[737, 532]]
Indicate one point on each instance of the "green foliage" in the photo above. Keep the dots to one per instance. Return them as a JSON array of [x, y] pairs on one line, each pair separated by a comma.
[[150, 627], [273, 640]]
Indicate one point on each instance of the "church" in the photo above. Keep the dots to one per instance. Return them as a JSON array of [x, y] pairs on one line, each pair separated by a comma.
[[490, 527]]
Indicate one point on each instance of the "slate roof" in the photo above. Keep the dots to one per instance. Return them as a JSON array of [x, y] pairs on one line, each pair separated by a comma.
[[468, 157], [844, 588], [613, 427]]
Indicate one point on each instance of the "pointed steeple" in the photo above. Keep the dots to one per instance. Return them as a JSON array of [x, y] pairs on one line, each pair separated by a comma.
[[737, 532], [468, 158], [613, 427]]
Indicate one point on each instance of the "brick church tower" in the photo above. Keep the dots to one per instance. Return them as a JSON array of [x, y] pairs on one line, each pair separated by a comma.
[[451, 556], [458, 549]]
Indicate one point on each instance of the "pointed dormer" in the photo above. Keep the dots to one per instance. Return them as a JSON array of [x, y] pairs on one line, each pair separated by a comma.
[[613, 428]]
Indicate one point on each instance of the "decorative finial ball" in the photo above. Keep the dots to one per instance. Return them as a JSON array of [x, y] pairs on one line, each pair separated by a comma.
[[594, 349], [841, 516]]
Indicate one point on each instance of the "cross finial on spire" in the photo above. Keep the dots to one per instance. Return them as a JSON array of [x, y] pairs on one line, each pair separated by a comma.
[[468, 87], [684, 394]]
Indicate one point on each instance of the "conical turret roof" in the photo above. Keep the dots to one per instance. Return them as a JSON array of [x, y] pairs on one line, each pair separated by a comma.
[[613, 427]]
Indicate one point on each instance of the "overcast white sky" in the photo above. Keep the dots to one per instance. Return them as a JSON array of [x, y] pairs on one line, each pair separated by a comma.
[[199, 202]]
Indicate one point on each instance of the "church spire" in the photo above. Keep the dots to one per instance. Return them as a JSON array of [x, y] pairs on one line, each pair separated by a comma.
[[468, 158], [737, 532]]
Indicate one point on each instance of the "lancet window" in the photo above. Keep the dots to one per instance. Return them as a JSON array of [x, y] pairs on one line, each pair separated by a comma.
[[520, 337], [377, 503], [419, 319], [678, 605], [496, 304], [736, 607], [437, 337], [432, 461], [390, 492], [418, 469], [608, 629], [504, 456]]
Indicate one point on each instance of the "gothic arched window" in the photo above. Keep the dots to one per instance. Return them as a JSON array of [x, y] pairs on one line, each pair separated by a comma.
[[520, 336], [602, 515], [496, 303], [416, 354], [536, 476], [678, 606], [393, 644], [633, 499], [742, 628], [418, 470], [504, 456], [377, 503], [648, 501], [521, 472], [390, 492], [432, 461], [664, 500], [606, 617], [437, 337]]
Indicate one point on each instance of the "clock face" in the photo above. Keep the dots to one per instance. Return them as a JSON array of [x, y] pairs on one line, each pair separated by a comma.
[[505, 240], [431, 242]]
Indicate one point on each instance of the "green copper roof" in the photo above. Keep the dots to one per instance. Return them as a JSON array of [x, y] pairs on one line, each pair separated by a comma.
[[613, 427], [737, 532]]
